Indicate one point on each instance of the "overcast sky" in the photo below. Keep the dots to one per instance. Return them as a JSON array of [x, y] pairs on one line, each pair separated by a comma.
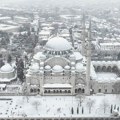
[[61, 2]]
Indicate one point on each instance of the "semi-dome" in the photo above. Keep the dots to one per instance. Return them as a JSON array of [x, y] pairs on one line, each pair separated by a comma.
[[58, 44], [47, 67], [57, 68], [34, 67], [39, 55], [79, 67], [67, 67], [6, 68]]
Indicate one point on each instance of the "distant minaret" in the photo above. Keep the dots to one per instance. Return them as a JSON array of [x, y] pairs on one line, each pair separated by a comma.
[[88, 57], [83, 35], [71, 36]]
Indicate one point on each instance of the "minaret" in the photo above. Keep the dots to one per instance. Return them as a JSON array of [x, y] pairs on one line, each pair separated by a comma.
[[71, 36], [83, 35], [88, 57]]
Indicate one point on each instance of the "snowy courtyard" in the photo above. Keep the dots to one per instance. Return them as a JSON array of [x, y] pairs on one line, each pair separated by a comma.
[[58, 106]]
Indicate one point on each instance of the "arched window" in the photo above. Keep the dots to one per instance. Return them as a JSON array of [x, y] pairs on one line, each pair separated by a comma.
[[104, 68], [76, 91], [105, 90], [45, 91], [31, 90], [83, 90], [99, 90], [109, 69], [79, 90], [69, 91], [38, 90]]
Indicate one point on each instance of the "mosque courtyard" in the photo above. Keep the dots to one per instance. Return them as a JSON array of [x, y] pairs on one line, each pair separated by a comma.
[[98, 105]]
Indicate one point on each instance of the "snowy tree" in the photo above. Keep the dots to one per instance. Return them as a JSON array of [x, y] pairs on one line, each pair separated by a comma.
[[111, 109], [72, 111], [1, 63], [77, 110], [20, 70], [105, 105], [81, 98], [25, 92], [114, 107], [82, 110], [90, 104], [9, 58], [36, 104]]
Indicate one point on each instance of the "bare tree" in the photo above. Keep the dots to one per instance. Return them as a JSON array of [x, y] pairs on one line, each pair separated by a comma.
[[105, 105], [90, 104], [25, 92], [81, 98], [36, 104]]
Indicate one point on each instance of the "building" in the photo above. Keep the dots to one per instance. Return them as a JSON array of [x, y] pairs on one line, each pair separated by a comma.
[[57, 70]]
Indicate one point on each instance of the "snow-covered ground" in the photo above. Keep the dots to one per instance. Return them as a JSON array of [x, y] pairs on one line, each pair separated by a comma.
[[57, 106], [107, 77]]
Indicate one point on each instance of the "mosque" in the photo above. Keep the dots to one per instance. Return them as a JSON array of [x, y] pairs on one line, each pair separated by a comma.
[[59, 69]]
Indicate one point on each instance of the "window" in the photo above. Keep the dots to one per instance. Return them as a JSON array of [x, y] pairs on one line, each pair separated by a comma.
[[99, 90], [105, 90]]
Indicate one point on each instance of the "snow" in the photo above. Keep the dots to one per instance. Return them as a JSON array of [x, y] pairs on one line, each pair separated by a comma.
[[78, 56], [56, 106], [47, 67], [39, 55], [8, 79], [35, 67], [79, 67], [6, 68], [106, 77], [57, 68], [58, 44], [67, 67], [57, 86], [2, 85]]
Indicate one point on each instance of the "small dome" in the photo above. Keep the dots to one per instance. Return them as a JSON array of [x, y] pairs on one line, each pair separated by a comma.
[[35, 67], [6, 68], [58, 44], [79, 67], [57, 68], [73, 68], [67, 67], [72, 56], [39, 55], [47, 67]]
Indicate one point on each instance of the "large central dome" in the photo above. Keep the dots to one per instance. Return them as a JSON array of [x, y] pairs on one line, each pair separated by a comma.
[[58, 44]]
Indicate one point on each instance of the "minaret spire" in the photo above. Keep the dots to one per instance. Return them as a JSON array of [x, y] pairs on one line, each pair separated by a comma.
[[83, 34], [88, 57]]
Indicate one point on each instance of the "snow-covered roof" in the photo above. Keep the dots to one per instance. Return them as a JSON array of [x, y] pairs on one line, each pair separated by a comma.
[[39, 55], [44, 32], [58, 44], [57, 86], [106, 63], [79, 67], [78, 56], [7, 79], [57, 68], [47, 67], [34, 67], [2, 85], [67, 67], [6, 68], [107, 77]]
